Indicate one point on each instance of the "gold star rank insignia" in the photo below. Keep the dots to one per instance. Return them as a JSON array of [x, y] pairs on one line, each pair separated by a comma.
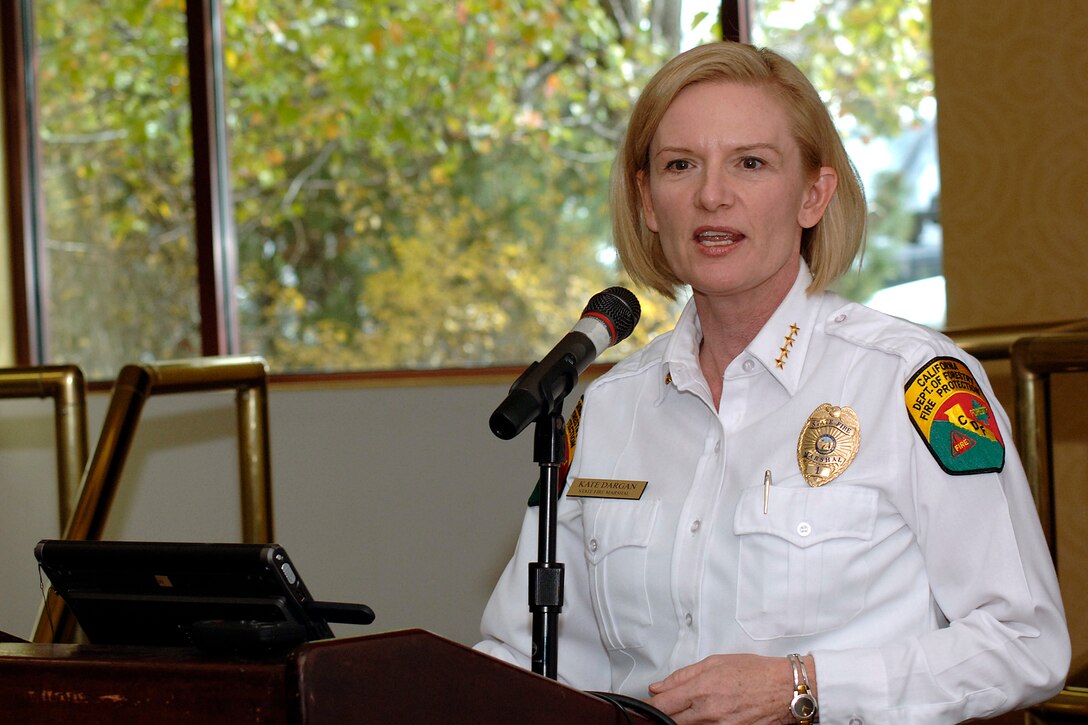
[[784, 351]]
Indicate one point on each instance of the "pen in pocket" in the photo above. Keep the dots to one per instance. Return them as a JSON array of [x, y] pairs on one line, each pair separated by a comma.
[[766, 490]]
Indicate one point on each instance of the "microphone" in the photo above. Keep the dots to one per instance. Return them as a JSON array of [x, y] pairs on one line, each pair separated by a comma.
[[608, 318]]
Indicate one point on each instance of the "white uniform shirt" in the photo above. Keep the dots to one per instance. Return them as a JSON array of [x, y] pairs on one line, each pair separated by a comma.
[[924, 597]]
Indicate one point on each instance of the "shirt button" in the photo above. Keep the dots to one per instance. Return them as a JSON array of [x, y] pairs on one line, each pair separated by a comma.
[[749, 365], [695, 525], [592, 544], [804, 528], [856, 721], [841, 318], [688, 619], [718, 447]]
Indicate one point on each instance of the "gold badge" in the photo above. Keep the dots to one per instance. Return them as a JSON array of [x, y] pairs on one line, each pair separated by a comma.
[[828, 443]]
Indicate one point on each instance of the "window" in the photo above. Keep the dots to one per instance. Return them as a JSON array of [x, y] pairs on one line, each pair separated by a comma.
[[114, 138], [412, 184]]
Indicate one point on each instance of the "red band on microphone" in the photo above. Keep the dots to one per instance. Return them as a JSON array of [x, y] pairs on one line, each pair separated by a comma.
[[607, 323]]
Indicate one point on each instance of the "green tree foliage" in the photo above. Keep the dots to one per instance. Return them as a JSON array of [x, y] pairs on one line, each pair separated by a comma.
[[415, 183], [424, 184], [870, 58]]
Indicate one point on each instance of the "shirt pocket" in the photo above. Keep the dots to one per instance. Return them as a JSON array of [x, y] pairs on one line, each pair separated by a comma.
[[617, 537], [803, 566]]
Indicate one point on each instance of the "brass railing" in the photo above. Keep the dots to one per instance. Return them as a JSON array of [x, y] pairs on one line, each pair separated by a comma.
[[1034, 360], [65, 385], [995, 343], [247, 376], [1069, 706]]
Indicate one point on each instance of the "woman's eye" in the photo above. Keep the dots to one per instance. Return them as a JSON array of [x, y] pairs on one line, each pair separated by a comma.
[[751, 162], [678, 165]]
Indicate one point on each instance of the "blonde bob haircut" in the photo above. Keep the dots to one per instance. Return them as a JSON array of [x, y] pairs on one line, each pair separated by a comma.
[[829, 247]]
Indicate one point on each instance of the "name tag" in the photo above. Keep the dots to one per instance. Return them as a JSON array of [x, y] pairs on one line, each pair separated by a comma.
[[606, 488]]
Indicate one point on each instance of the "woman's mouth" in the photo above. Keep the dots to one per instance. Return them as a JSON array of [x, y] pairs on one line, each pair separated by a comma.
[[717, 237]]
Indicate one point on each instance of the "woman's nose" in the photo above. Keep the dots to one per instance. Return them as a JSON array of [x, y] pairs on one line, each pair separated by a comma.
[[714, 191]]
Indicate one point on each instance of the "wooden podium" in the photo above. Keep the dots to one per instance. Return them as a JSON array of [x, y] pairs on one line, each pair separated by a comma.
[[410, 677]]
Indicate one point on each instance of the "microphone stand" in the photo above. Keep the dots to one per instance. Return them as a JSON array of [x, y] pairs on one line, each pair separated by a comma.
[[546, 575]]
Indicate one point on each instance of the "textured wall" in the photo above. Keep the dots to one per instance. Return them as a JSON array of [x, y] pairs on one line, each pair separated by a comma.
[[1012, 120], [1012, 90]]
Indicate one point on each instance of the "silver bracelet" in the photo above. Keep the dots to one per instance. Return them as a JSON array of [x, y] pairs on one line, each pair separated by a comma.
[[803, 706]]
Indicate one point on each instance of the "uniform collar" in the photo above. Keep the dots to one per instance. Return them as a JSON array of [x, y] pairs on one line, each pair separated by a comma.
[[681, 359], [780, 346]]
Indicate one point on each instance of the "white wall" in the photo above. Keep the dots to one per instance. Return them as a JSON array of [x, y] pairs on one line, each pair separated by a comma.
[[397, 497]]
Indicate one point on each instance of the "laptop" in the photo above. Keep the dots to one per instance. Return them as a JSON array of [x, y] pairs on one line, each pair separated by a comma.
[[210, 595]]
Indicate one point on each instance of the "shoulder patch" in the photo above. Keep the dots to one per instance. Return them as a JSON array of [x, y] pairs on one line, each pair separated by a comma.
[[571, 436], [953, 418]]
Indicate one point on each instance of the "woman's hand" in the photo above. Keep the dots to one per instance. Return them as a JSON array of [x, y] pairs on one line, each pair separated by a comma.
[[738, 688]]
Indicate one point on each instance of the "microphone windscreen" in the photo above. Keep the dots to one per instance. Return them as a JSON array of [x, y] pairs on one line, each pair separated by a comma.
[[619, 308]]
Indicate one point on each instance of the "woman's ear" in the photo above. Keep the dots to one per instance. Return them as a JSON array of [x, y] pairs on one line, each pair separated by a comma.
[[817, 197]]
